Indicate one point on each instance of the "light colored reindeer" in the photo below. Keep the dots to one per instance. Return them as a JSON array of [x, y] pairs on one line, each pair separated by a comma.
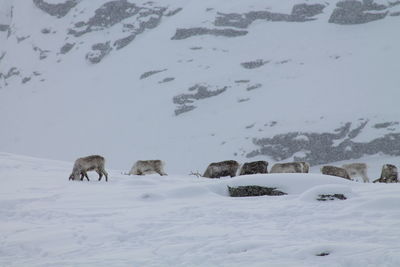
[[291, 167], [143, 167], [90, 163], [357, 169]]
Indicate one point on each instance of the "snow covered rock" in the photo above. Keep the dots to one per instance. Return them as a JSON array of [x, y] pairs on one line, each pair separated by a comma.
[[327, 192], [325, 197], [254, 190]]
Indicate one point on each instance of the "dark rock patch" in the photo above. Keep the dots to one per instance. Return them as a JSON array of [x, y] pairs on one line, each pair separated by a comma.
[[320, 148], [114, 12], [99, 51], [351, 12], [385, 125], [150, 73], [42, 52], [254, 191], [22, 38], [283, 62], [184, 108], [255, 86], [122, 42], [66, 48], [254, 64], [26, 79], [185, 101], [173, 12], [11, 72], [327, 197], [181, 34], [106, 16], [57, 10], [168, 79], [243, 100], [304, 11], [4, 27], [300, 13], [45, 31], [151, 23], [322, 254], [3, 54], [242, 81]]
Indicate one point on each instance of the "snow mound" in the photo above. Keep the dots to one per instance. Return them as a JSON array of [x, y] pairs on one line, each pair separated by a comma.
[[314, 193], [290, 183]]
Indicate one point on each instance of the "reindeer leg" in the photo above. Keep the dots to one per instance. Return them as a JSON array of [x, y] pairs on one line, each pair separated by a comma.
[[99, 172], [105, 174]]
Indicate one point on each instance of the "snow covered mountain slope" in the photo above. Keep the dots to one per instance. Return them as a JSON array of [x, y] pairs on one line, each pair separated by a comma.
[[192, 82], [181, 220]]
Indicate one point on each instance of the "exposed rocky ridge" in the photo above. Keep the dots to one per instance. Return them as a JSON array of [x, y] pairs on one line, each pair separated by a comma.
[[190, 32], [133, 20], [300, 13], [185, 101], [322, 148], [346, 13], [355, 12], [150, 73], [57, 10], [121, 21]]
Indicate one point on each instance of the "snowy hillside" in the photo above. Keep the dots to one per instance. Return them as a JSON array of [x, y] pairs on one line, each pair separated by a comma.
[[46, 220], [192, 82]]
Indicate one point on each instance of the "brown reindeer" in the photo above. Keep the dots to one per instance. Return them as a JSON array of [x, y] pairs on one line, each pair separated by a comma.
[[90, 163]]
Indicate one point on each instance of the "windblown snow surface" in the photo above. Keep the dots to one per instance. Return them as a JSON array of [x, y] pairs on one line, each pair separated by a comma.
[[182, 220]]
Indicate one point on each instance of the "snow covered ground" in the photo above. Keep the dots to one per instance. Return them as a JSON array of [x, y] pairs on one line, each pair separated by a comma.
[[182, 220]]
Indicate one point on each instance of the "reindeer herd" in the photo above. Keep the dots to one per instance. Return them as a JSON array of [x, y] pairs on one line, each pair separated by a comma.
[[231, 168]]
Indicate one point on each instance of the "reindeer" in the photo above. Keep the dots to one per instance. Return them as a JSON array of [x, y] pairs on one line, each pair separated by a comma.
[[90, 163], [143, 167], [291, 167], [357, 169], [222, 169]]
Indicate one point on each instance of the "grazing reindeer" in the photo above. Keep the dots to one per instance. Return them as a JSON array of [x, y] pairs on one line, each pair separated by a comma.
[[221, 169], [357, 169], [90, 163], [335, 171], [143, 167], [254, 167], [291, 167]]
